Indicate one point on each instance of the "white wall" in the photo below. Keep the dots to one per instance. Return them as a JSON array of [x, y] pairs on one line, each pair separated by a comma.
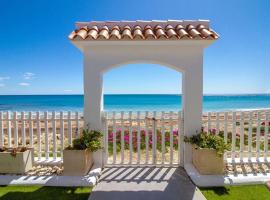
[[182, 56]]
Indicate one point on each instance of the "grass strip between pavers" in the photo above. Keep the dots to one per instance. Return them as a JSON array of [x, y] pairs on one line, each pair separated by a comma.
[[246, 192], [44, 193]]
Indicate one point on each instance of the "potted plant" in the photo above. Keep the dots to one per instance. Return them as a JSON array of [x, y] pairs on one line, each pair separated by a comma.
[[17, 160], [208, 152], [78, 158]]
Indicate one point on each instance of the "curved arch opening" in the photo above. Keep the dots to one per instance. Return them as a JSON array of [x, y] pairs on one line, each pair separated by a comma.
[[143, 62], [143, 87]]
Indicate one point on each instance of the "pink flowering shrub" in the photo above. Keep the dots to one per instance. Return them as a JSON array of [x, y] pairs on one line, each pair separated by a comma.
[[133, 139]]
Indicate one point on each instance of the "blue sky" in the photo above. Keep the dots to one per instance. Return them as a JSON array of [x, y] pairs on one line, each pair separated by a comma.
[[37, 58]]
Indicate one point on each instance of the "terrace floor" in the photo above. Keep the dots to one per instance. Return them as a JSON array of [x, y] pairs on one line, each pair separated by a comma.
[[149, 183]]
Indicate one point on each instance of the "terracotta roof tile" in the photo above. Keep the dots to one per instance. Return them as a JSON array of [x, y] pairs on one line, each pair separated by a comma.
[[126, 33], [160, 32], [149, 33], [115, 33], [205, 32], [182, 33], [82, 33], [93, 33], [144, 30], [72, 35], [137, 33], [171, 32], [193, 32], [103, 33]]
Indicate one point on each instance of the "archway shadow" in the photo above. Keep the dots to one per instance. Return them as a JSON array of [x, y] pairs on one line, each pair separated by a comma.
[[145, 183]]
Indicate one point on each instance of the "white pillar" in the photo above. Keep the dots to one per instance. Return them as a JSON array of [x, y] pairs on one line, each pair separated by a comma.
[[93, 101], [93, 95], [192, 105]]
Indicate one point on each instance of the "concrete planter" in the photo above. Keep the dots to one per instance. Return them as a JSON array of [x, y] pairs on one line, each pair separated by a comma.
[[19, 164], [207, 161], [77, 162]]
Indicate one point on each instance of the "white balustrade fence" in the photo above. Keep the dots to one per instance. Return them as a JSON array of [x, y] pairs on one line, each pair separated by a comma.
[[47, 132], [246, 132], [138, 138], [143, 138]]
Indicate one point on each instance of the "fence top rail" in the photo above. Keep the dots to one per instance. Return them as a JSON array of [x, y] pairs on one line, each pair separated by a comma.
[[118, 114], [251, 115], [42, 115], [141, 115], [238, 111]]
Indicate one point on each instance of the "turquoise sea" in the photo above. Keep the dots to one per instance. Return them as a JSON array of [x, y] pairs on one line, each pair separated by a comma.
[[130, 102]]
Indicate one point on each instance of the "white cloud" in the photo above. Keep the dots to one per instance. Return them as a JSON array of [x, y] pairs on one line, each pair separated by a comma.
[[24, 84], [28, 75], [2, 85], [2, 78], [67, 90]]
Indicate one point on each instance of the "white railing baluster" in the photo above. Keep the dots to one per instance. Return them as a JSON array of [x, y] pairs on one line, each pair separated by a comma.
[[180, 139], [62, 133], [209, 122], [241, 135], [233, 135], [154, 138], [106, 138], [9, 130], [122, 137], [30, 122], [54, 135], [1, 130], [258, 133], [69, 129], [266, 132], [171, 137], [225, 131], [15, 125], [130, 137], [46, 135], [217, 123], [250, 135], [114, 138], [38, 135], [162, 137], [138, 138], [226, 127], [77, 116], [23, 129], [146, 138]]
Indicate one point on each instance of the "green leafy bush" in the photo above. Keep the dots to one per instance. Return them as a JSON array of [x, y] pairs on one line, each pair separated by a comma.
[[209, 141], [90, 139]]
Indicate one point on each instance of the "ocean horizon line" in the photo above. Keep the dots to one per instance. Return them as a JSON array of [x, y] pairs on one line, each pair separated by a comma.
[[135, 102], [225, 94]]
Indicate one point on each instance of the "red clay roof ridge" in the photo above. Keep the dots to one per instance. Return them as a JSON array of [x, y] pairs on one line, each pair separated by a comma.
[[144, 30], [142, 23]]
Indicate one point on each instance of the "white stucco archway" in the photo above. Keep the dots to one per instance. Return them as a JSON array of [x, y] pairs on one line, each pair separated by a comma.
[[185, 56]]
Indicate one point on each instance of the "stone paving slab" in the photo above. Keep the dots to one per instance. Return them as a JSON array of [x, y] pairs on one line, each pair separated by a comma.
[[62, 181], [145, 183]]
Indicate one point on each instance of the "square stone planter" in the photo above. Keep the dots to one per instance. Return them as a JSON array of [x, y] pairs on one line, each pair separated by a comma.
[[77, 162], [19, 164], [207, 161]]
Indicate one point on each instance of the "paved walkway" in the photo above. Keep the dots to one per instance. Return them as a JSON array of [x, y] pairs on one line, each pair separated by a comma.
[[145, 183]]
